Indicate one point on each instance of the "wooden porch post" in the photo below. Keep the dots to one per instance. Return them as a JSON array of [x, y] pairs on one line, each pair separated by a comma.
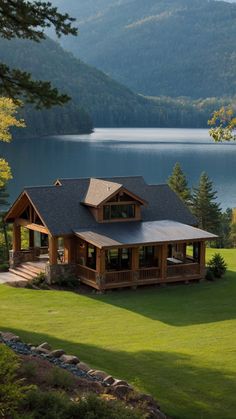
[[164, 254], [135, 263], [202, 258], [16, 245], [100, 261], [52, 250], [31, 239], [69, 250]]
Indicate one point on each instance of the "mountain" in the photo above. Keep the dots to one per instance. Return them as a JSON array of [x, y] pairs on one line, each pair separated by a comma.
[[159, 47], [93, 93], [96, 98]]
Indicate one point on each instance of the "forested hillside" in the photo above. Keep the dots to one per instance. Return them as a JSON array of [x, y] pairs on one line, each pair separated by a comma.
[[96, 99], [165, 47]]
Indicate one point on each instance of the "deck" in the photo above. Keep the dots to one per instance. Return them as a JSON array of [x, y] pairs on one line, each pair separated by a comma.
[[144, 276]]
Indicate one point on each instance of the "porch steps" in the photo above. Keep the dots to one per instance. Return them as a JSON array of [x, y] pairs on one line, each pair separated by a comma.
[[27, 270]]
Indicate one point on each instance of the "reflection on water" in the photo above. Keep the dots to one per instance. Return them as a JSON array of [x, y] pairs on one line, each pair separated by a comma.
[[110, 152]]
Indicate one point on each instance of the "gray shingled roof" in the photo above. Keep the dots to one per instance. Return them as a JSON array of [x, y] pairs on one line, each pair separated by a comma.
[[61, 209], [149, 232]]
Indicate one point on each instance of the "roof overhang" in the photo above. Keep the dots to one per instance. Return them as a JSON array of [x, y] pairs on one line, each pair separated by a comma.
[[142, 233]]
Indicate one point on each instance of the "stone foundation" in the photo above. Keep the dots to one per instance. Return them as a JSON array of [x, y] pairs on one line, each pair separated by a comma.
[[65, 271], [22, 256]]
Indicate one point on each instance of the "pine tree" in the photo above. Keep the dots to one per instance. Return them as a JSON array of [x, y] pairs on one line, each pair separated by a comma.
[[4, 195], [204, 207], [178, 183], [28, 20]]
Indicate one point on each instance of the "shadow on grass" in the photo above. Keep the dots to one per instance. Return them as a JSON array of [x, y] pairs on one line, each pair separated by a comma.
[[183, 388], [179, 305]]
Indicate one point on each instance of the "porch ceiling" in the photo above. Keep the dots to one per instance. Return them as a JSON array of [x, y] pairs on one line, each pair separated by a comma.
[[140, 233]]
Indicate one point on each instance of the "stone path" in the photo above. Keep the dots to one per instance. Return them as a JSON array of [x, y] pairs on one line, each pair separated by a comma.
[[8, 277]]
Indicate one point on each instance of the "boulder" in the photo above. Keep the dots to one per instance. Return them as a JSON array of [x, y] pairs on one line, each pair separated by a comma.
[[40, 350], [121, 391], [69, 359], [99, 374], [45, 345], [118, 382], [10, 337], [83, 367], [57, 353], [109, 380]]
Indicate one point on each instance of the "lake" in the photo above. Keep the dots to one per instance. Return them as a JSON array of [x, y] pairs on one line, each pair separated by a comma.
[[110, 152]]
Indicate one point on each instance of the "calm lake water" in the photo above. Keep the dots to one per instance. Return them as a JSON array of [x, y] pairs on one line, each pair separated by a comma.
[[110, 152]]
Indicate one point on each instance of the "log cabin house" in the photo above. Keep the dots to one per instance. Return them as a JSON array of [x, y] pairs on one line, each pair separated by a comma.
[[110, 233]]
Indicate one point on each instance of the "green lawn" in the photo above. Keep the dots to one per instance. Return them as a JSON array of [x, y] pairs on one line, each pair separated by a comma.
[[176, 342]]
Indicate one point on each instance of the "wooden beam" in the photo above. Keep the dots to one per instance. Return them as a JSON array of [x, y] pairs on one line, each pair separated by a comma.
[[202, 258], [100, 261], [31, 226], [52, 241], [164, 254], [69, 249], [31, 238], [16, 239], [135, 259]]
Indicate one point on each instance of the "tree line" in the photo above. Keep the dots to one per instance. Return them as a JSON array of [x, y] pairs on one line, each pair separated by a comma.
[[202, 202]]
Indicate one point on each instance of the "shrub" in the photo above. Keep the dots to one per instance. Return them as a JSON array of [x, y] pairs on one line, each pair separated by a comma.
[[71, 282], [60, 378], [4, 267], [209, 276], [11, 390], [217, 265], [54, 405]]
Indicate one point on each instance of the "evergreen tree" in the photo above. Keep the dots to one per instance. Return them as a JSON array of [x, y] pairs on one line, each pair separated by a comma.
[[28, 20], [204, 207], [178, 183]]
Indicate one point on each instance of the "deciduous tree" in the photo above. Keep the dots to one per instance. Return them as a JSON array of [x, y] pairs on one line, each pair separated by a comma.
[[223, 123]]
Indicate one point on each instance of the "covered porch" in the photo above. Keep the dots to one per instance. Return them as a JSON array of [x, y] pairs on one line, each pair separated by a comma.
[[129, 256]]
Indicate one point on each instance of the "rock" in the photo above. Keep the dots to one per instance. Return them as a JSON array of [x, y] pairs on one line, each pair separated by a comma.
[[99, 374], [69, 359], [109, 380], [121, 391], [45, 345], [91, 371], [41, 350], [120, 383], [83, 367], [10, 337], [57, 353]]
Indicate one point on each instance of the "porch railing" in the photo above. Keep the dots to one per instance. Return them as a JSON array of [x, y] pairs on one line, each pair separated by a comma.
[[86, 273], [183, 270], [148, 273]]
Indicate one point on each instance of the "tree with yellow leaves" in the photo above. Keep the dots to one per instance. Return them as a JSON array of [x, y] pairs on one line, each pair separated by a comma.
[[8, 111], [223, 123]]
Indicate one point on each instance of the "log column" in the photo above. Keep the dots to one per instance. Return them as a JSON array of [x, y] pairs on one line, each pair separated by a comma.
[[164, 254], [31, 239], [202, 258], [69, 250], [52, 250], [100, 268], [135, 263], [16, 244]]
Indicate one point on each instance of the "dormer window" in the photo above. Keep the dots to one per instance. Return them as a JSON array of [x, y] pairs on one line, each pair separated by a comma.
[[122, 211]]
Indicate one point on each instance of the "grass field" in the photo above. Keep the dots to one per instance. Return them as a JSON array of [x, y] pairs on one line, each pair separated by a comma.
[[177, 343]]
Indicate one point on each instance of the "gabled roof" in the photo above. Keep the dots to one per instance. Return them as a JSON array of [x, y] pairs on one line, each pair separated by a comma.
[[61, 209], [99, 190], [149, 232]]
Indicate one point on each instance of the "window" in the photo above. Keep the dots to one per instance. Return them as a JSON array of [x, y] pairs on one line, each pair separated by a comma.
[[111, 212], [118, 259], [147, 257], [91, 256]]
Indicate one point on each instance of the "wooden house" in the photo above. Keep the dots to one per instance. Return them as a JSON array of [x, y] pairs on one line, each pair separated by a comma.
[[110, 233]]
